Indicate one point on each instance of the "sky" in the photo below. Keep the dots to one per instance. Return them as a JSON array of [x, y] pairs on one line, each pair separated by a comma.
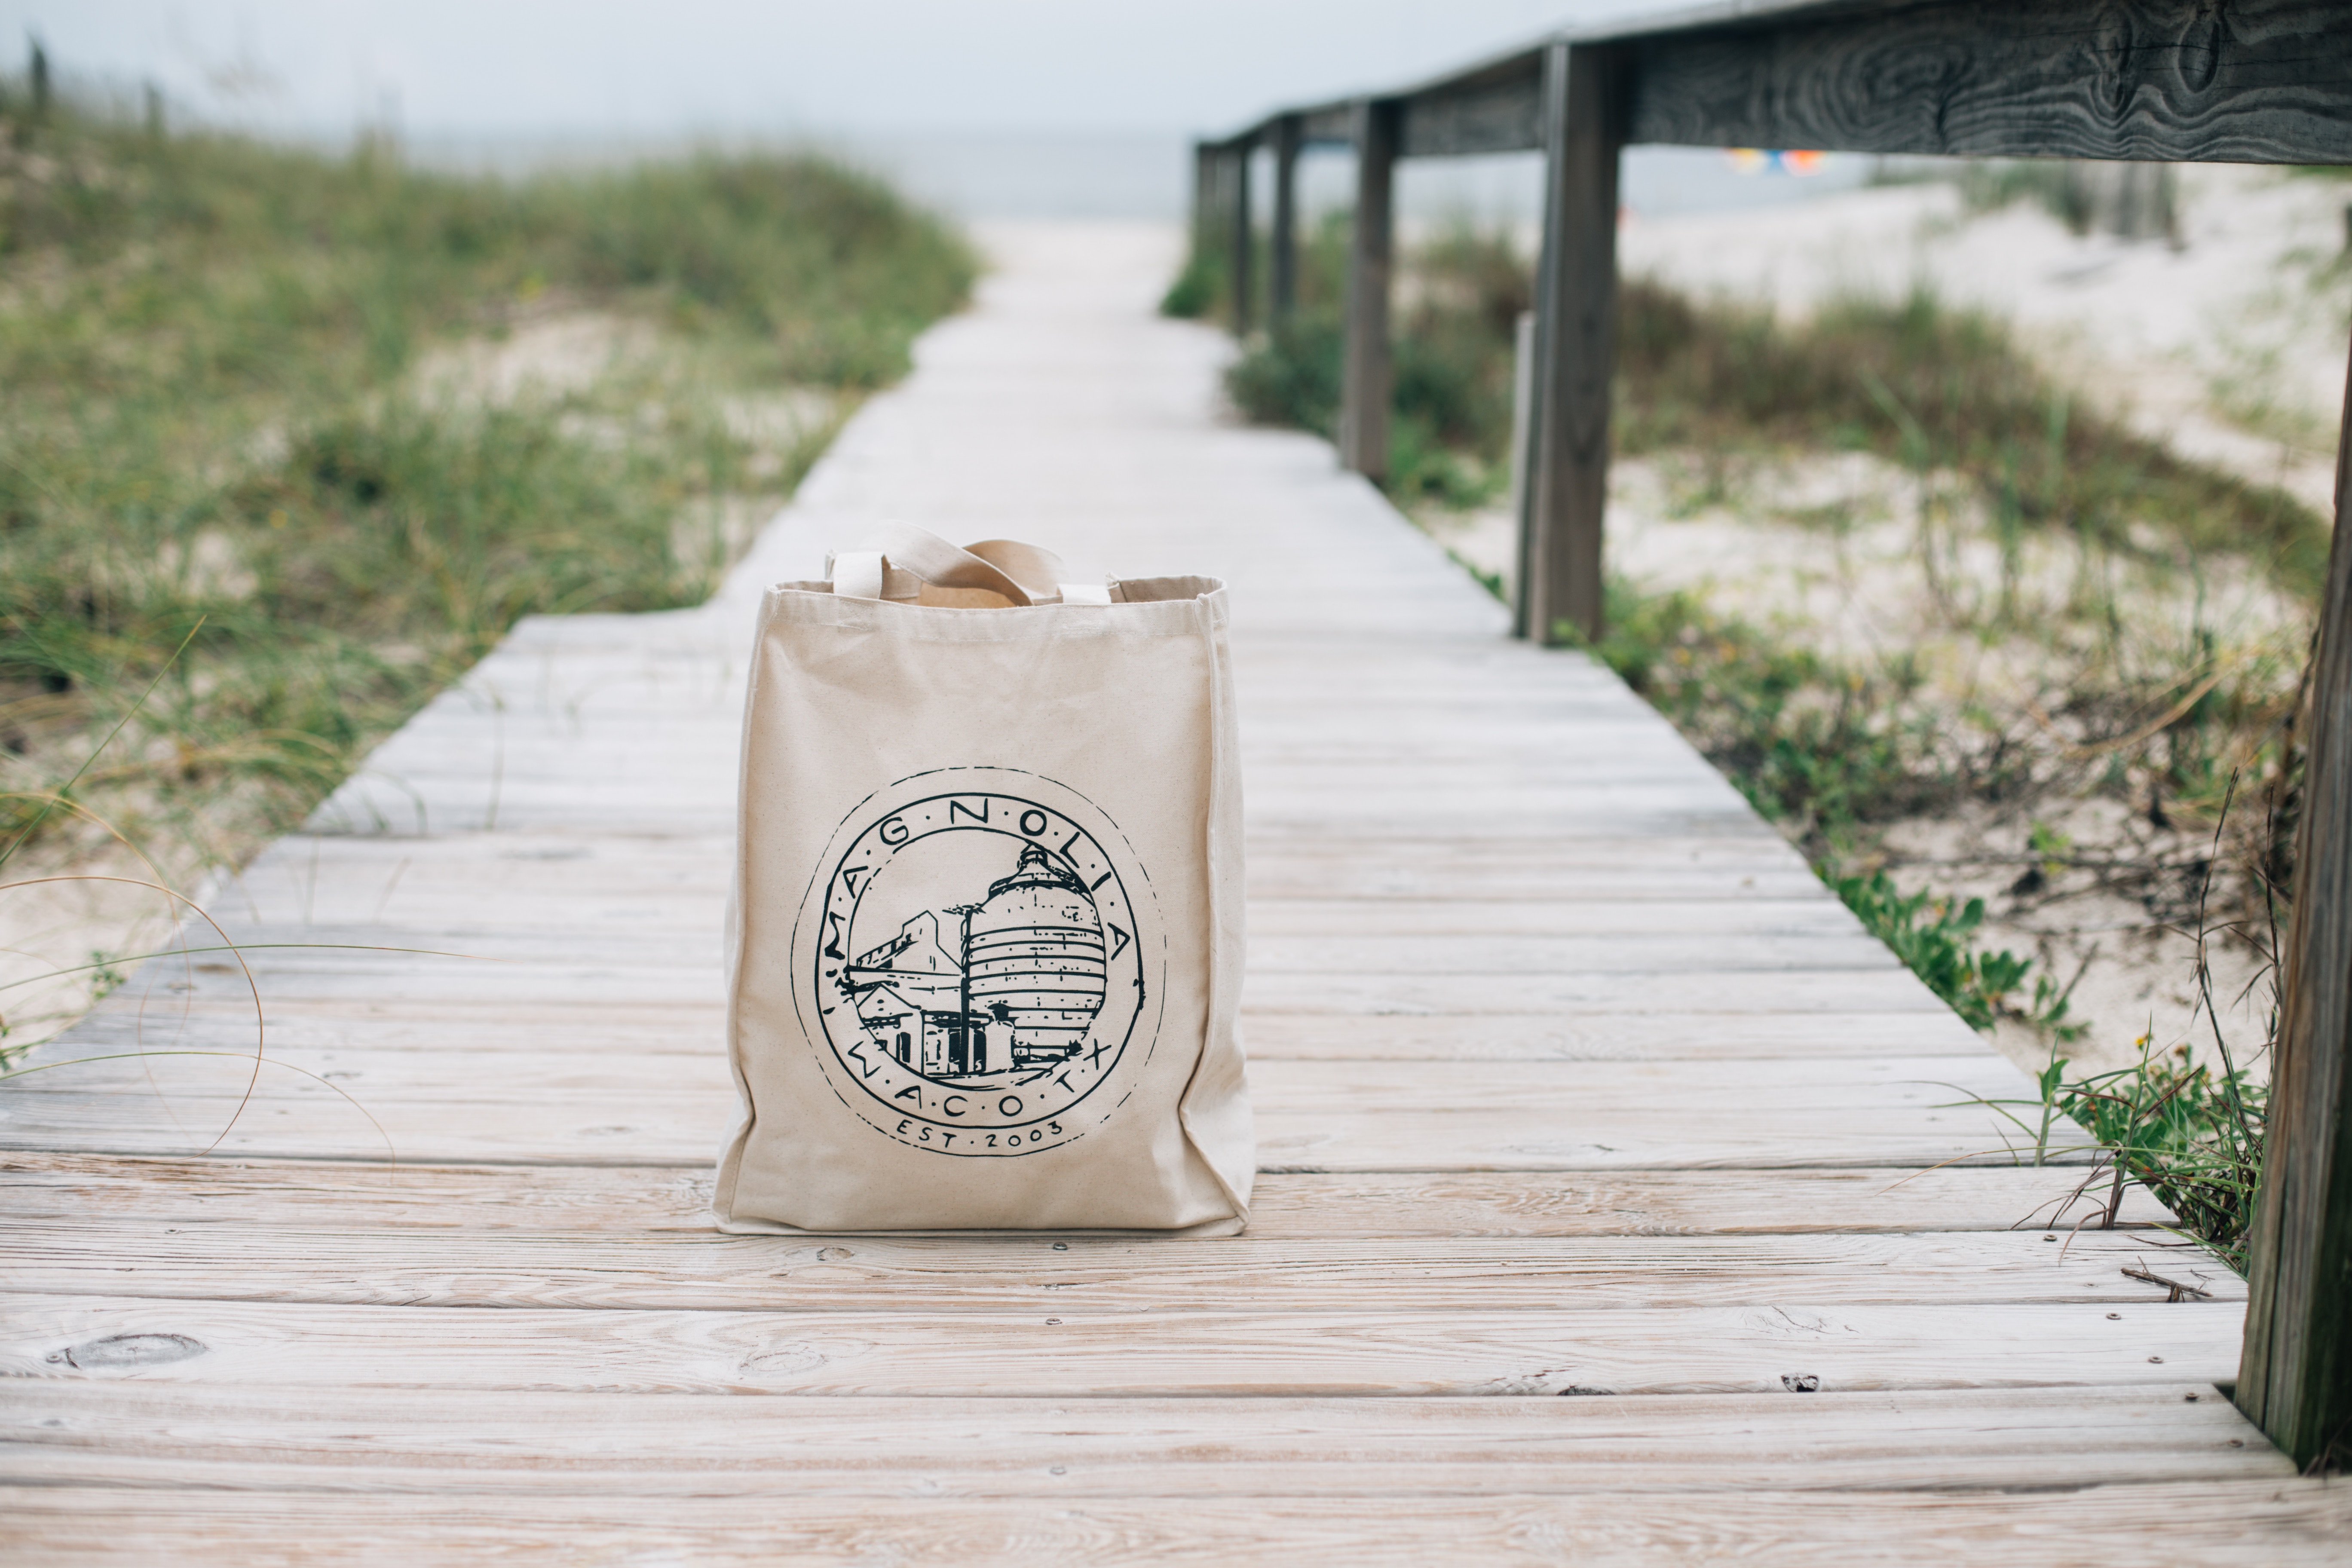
[[613, 68]]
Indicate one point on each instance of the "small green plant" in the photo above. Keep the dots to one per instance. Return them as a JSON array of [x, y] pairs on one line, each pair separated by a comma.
[[1291, 376], [1819, 747], [1198, 290], [1450, 425], [2189, 1135], [1933, 937]]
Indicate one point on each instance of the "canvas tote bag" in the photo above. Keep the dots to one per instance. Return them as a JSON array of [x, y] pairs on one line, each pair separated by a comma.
[[984, 954]]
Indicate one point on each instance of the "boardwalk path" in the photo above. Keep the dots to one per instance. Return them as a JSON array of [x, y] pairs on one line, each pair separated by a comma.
[[1571, 1080]]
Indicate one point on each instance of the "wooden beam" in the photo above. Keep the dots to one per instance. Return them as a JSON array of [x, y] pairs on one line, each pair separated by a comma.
[[1330, 126], [1496, 116], [2295, 1379], [1283, 243], [2172, 81], [1576, 348], [1368, 372], [2263, 81], [1240, 238]]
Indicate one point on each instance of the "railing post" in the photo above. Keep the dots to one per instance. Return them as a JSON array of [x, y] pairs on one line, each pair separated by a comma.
[[1205, 196], [1575, 347], [1366, 372], [2294, 1377], [1239, 237], [1282, 243]]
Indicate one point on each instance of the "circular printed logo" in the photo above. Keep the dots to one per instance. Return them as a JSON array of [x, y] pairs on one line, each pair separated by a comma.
[[976, 948]]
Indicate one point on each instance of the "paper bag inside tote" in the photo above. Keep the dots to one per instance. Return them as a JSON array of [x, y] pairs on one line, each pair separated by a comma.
[[984, 957]]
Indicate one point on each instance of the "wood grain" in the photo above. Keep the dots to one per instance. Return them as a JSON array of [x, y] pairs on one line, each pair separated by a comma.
[[2274, 1524], [1202, 1352], [631, 1200], [2296, 1381], [1575, 347], [388, 1441], [1311, 1274], [2265, 81]]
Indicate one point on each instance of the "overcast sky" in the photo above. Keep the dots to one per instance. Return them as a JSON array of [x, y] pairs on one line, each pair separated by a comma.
[[499, 68]]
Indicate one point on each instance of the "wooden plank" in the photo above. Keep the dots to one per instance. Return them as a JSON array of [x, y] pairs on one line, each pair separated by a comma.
[[1348, 918], [1503, 115], [2264, 82], [1075, 1355], [1755, 991], [1575, 996], [1591, 1037], [460, 1443], [1636, 1091], [2278, 1524], [2296, 1382], [2174, 80], [639, 1199], [681, 1128], [1295, 1274], [626, 943], [1575, 347], [1687, 867], [1370, 1115], [1367, 373], [674, 1029]]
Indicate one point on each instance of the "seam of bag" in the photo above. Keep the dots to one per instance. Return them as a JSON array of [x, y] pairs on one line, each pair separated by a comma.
[[1223, 987], [731, 1159]]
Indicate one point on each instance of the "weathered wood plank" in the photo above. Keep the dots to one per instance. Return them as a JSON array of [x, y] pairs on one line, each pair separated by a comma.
[[426, 1024], [461, 1442], [641, 1199], [1351, 920], [2265, 81], [2175, 80], [1295, 1274], [1204, 1352], [650, 1127], [627, 941], [2277, 1524], [1503, 115], [1818, 1087]]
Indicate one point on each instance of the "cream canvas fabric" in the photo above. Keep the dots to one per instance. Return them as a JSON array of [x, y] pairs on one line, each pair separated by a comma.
[[984, 959]]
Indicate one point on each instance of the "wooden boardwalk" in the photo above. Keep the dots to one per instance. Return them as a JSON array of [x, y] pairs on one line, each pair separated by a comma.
[[1571, 1081]]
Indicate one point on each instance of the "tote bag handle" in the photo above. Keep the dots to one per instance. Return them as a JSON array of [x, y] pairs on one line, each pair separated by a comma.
[[909, 564]]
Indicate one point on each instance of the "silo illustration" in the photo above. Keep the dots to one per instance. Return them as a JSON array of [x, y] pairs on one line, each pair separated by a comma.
[[1033, 960]]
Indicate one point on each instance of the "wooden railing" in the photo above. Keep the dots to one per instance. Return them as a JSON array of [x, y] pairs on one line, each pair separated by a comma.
[[2263, 81]]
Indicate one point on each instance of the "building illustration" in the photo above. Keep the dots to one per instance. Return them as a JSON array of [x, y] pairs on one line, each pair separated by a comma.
[[996, 992]]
